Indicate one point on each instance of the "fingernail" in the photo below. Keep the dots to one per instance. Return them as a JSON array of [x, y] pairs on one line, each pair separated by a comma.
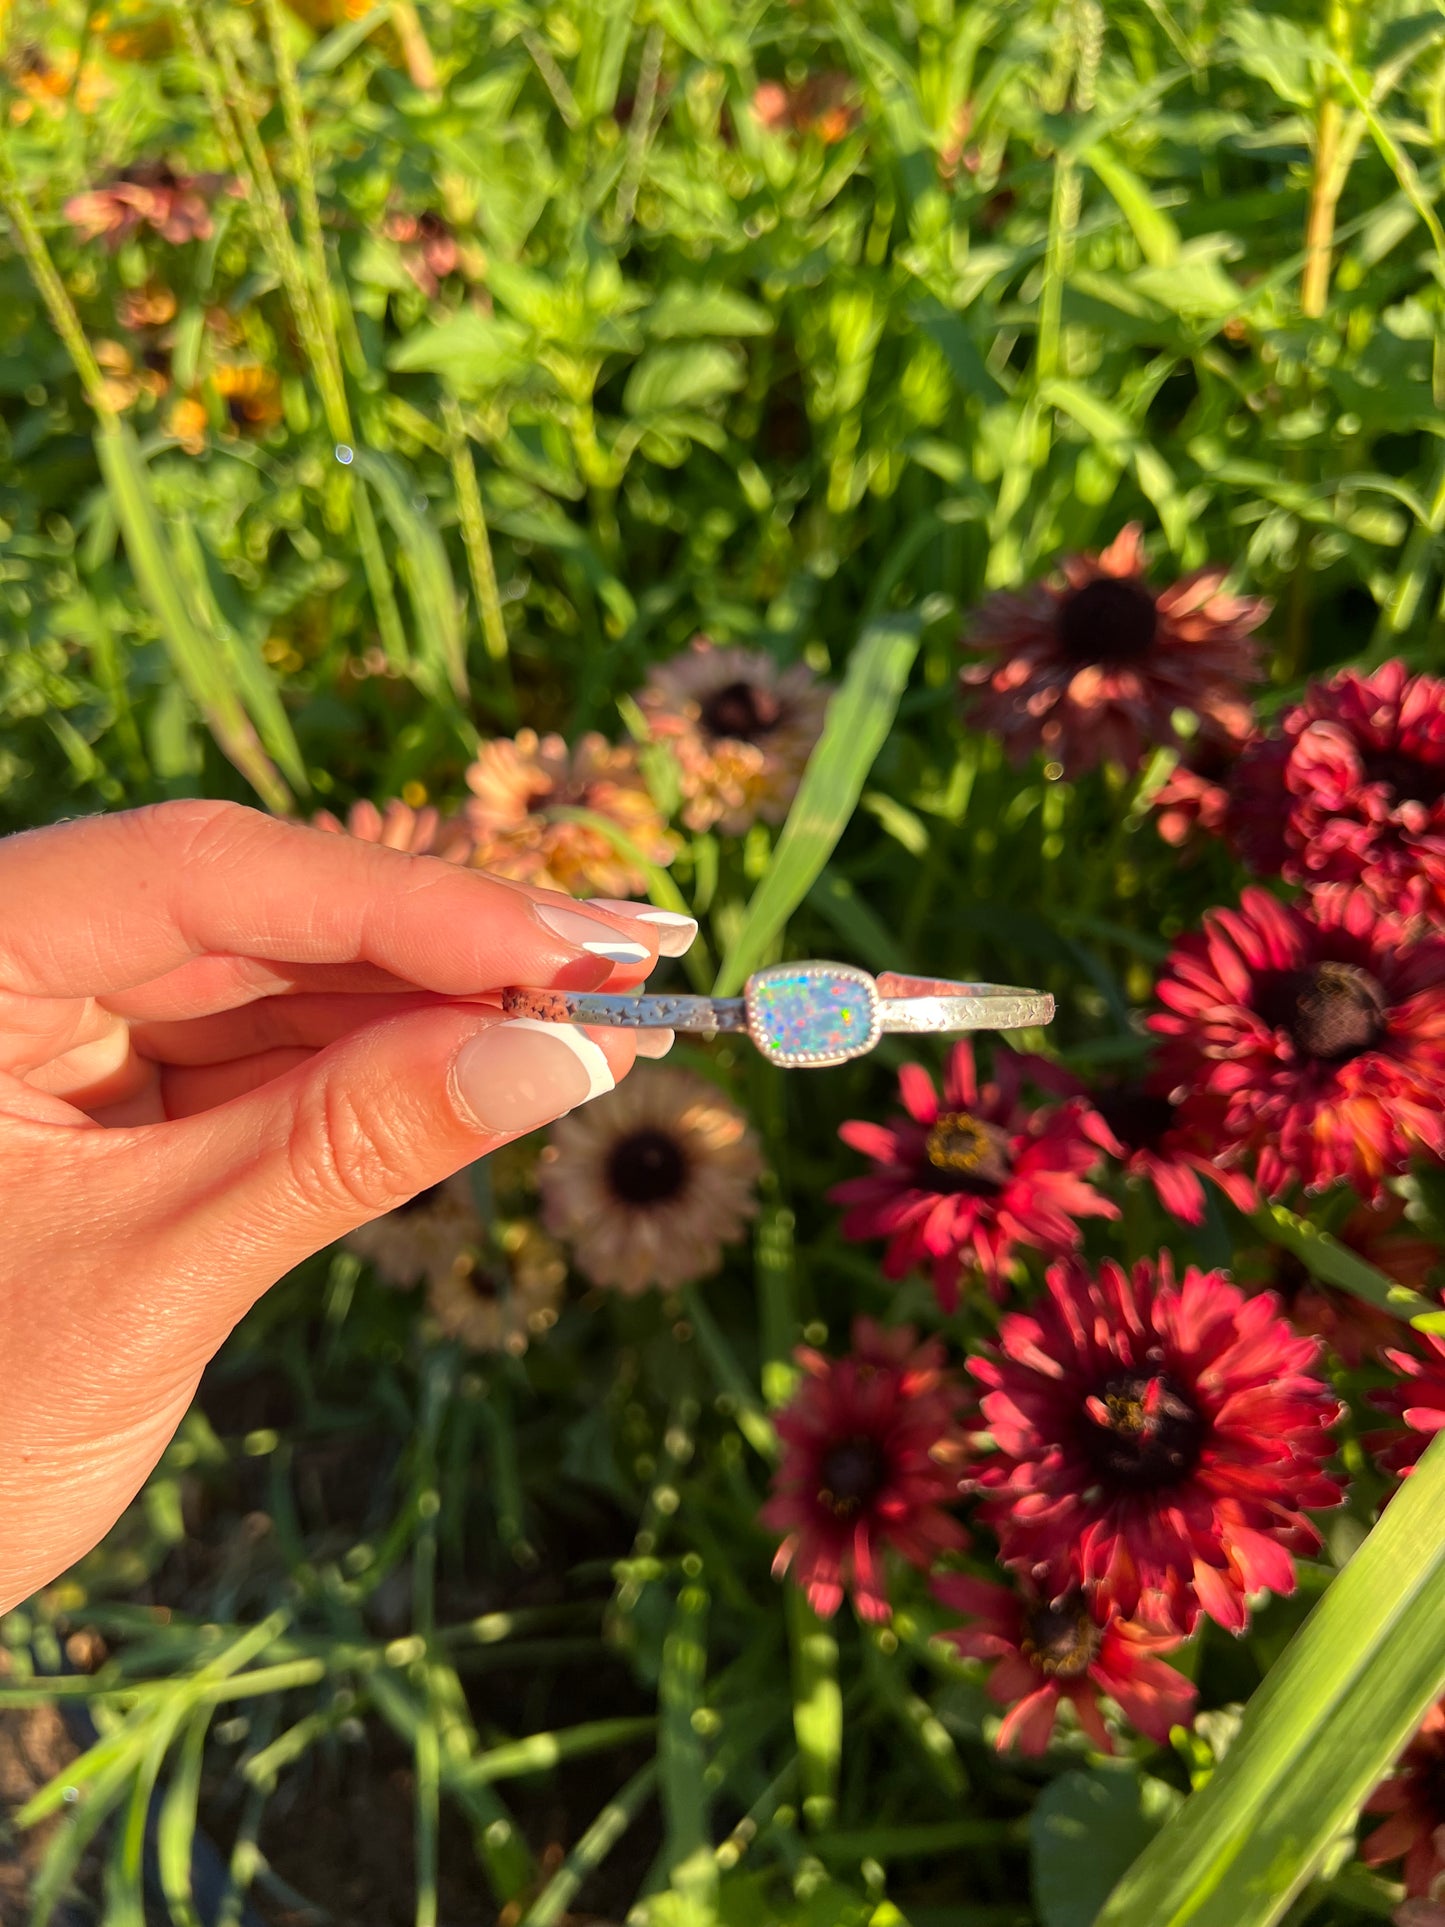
[[655, 1043], [522, 1073], [675, 932], [591, 934]]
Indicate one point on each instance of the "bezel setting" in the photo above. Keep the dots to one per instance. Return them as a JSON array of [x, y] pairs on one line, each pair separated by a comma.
[[821, 975]]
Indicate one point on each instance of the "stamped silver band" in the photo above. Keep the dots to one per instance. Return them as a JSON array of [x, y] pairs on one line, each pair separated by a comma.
[[804, 1014]]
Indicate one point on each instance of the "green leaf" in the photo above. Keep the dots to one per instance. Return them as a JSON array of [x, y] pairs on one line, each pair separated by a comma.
[[196, 656], [1156, 234], [1085, 1830], [473, 352], [683, 377], [434, 599], [688, 308], [1337, 1265], [337, 46], [859, 719], [1335, 1711]]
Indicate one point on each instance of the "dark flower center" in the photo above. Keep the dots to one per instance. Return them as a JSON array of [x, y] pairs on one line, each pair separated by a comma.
[[1142, 1431], [1339, 1011], [1411, 780], [1061, 1640], [646, 1167], [966, 1155], [853, 1472], [1110, 620], [423, 1201], [742, 711], [1138, 1118]]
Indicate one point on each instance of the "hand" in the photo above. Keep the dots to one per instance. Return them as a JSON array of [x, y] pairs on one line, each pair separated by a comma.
[[225, 1041]]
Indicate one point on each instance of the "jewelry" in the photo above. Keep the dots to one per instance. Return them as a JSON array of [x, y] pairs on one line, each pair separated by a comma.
[[803, 1013]]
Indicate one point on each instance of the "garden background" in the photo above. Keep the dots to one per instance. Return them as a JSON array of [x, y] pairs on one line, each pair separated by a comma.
[[379, 386]]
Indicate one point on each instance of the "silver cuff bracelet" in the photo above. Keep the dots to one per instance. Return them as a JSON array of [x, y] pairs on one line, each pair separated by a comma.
[[811, 1014]]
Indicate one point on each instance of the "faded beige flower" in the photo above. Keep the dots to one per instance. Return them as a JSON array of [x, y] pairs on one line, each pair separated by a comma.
[[422, 832], [523, 790], [648, 1183], [741, 728], [499, 1299], [423, 1238]]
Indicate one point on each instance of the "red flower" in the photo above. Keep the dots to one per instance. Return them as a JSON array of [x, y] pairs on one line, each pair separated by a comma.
[[1092, 668], [1160, 1441], [868, 1438], [963, 1182], [1309, 1039], [1071, 1649], [1418, 1399], [1414, 1798], [1142, 1128], [1355, 786], [1195, 794]]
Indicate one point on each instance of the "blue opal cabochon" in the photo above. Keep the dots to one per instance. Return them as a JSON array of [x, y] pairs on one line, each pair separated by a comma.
[[813, 1013]]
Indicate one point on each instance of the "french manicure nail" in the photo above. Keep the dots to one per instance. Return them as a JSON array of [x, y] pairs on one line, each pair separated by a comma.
[[655, 1043], [591, 934], [516, 1075], [675, 932]]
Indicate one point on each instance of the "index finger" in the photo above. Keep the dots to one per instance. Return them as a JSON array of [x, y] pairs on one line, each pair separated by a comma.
[[107, 903]]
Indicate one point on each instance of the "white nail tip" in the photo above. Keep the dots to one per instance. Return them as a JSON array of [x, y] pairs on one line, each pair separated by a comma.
[[586, 1050], [618, 951], [675, 932]]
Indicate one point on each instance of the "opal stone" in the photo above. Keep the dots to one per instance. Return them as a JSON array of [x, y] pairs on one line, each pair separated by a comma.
[[812, 1013]]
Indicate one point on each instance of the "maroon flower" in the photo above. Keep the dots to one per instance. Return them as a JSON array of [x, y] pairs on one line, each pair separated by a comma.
[[1354, 785], [1092, 667], [1414, 1798], [1143, 1129], [1308, 1039], [1068, 1648], [1160, 1441], [1417, 1398], [869, 1439], [962, 1182]]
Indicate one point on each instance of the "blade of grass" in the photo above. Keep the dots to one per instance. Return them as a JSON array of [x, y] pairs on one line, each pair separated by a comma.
[[423, 558], [1322, 1730], [859, 719], [817, 1708], [540, 1752], [682, 1764], [1337, 1265], [176, 1823], [591, 1850]]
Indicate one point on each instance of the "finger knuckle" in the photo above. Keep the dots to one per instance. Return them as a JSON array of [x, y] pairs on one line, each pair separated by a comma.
[[343, 1155], [194, 826]]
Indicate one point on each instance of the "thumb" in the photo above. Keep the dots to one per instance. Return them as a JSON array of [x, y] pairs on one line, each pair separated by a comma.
[[259, 1183]]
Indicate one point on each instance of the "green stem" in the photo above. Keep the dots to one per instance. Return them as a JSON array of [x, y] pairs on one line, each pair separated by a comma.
[[51, 290], [477, 542]]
